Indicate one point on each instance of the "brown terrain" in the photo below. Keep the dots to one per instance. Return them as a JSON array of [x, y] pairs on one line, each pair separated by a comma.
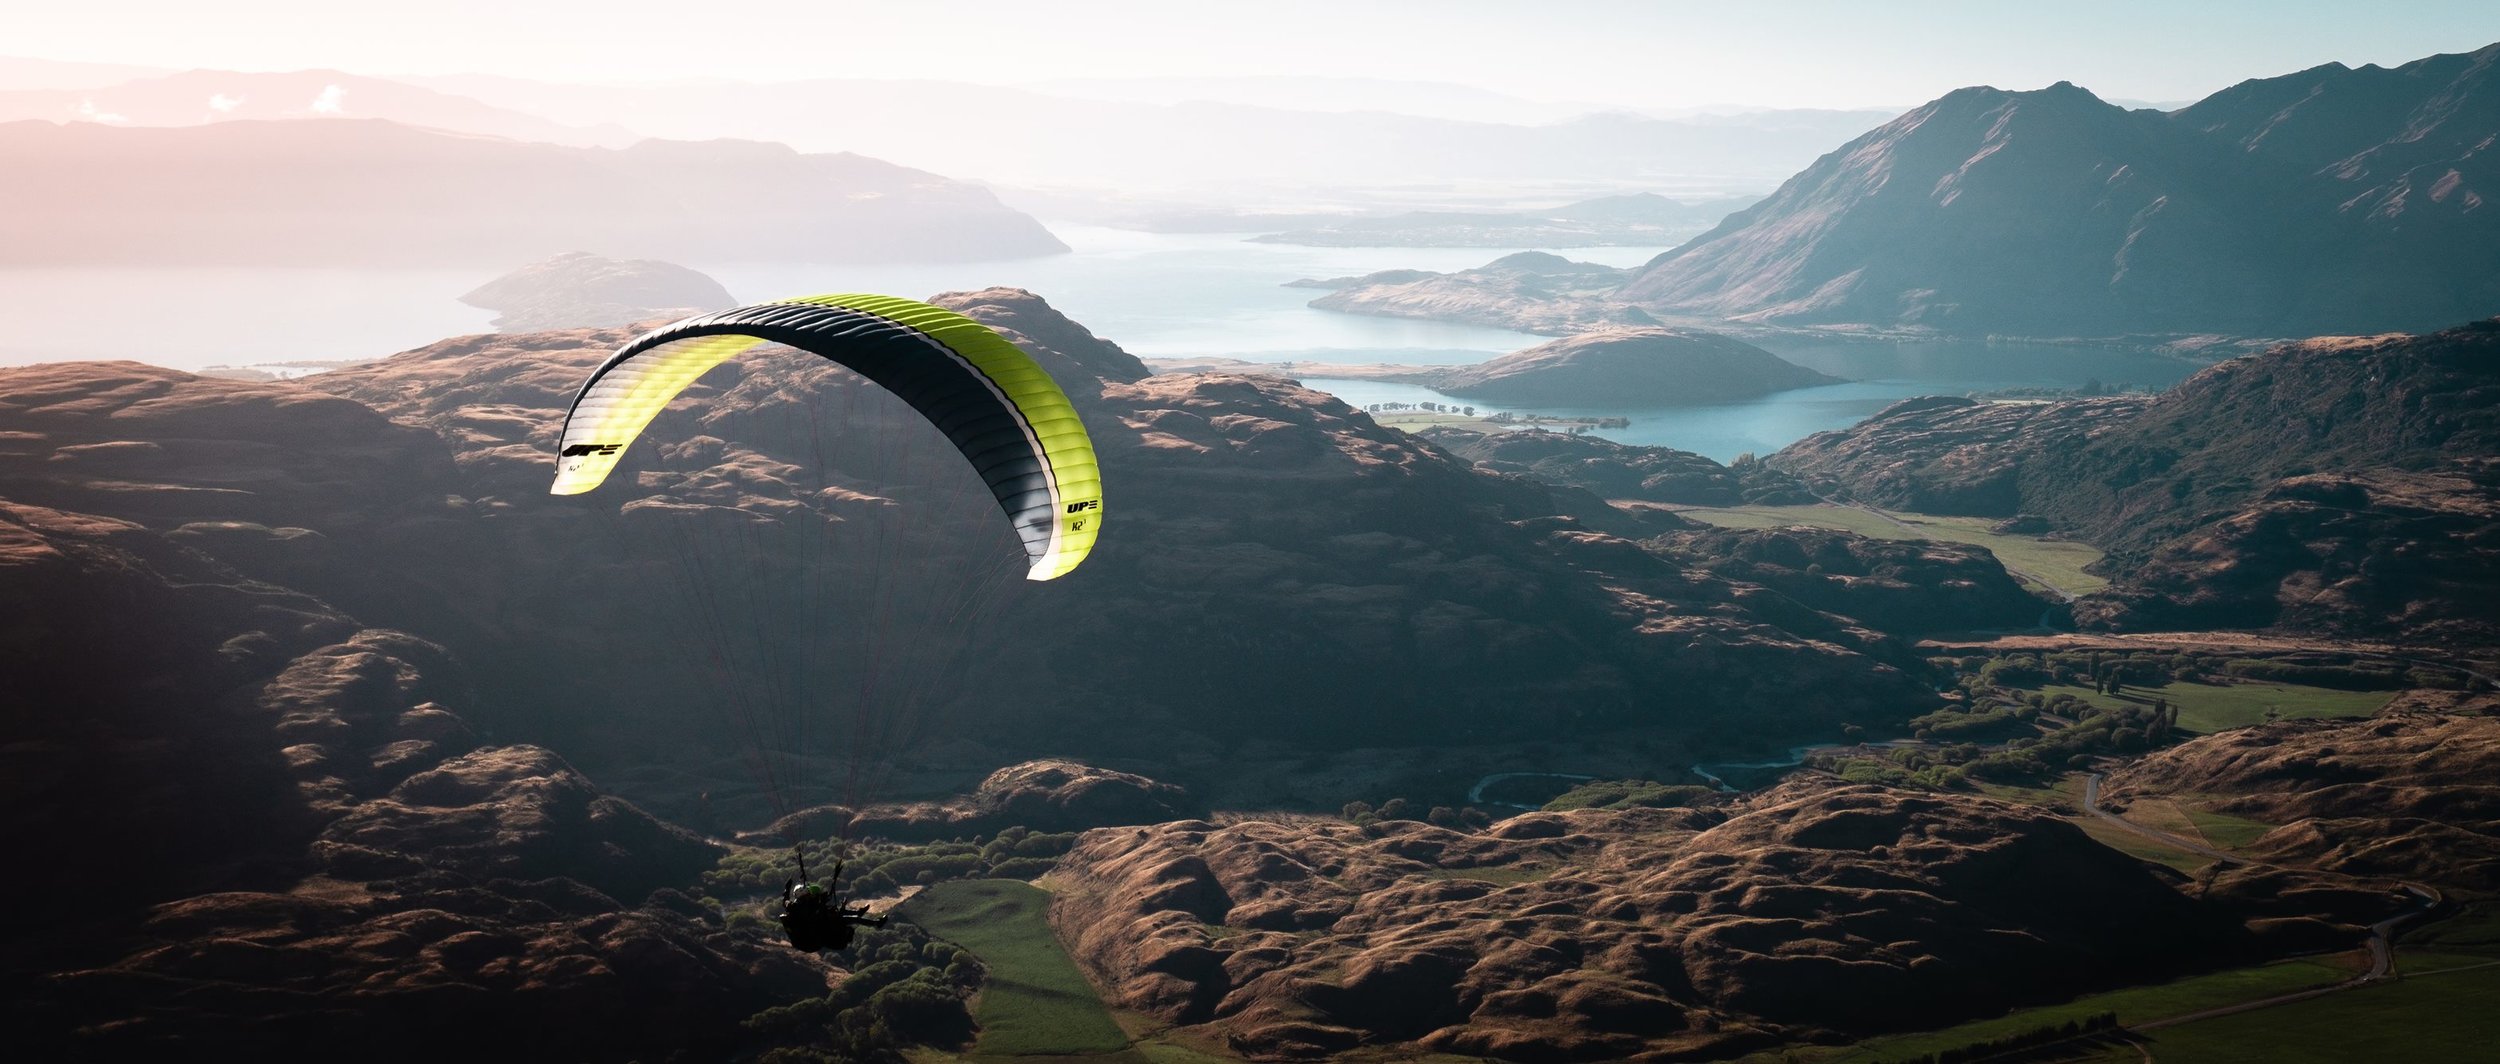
[[1259, 524], [249, 824], [1612, 470], [2342, 485], [1893, 585], [1809, 911], [298, 659], [268, 813], [1047, 794], [1630, 367], [2412, 794], [1947, 454]]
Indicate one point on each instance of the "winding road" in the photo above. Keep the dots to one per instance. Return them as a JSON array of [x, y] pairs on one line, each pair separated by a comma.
[[2382, 934]]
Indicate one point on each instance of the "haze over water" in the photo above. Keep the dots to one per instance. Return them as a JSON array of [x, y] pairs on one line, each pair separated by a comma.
[[1157, 295]]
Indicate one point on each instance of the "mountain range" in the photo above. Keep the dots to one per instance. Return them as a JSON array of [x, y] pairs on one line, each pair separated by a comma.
[[364, 192], [1135, 135], [198, 97], [2334, 199]]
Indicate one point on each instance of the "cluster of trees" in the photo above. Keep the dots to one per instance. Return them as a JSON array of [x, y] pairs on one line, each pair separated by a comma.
[[874, 867], [907, 991], [1935, 769], [2351, 676], [2046, 1034], [2100, 670], [1455, 818], [1431, 408], [2094, 730], [1956, 722]]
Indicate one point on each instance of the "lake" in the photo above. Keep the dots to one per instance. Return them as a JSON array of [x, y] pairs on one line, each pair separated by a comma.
[[1158, 295], [1154, 294], [1880, 374]]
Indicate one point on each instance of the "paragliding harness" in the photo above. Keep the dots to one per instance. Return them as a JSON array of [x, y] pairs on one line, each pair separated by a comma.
[[814, 916]]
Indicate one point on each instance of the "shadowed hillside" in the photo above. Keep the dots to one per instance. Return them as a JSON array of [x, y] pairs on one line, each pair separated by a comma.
[[1275, 566]]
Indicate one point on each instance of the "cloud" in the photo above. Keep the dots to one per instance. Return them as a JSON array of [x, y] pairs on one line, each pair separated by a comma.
[[224, 104], [87, 111], [332, 101]]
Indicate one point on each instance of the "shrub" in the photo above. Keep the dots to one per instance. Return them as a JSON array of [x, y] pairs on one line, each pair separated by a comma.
[[1023, 867]]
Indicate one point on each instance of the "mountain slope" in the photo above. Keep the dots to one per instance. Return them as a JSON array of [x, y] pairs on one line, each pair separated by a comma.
[[2330, 200], [1277, 568], [1026, 136]]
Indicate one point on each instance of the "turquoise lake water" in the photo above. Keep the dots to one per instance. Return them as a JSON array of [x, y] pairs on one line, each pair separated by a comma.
[[1879, 375]]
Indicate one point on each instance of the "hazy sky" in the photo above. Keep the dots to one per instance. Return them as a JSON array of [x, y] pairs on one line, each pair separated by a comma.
[[1654, 54]]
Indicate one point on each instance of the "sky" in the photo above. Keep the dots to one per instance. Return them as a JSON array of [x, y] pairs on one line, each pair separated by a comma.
[[1615, 52]]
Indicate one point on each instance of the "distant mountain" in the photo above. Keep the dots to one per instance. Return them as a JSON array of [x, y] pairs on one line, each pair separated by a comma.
[[197, 97], [1628, 367], [580, 290], [1530, 291], [347, 192], [1425, 99], [1021, 136], [17, 72], [1634, 218], [2334, 199]]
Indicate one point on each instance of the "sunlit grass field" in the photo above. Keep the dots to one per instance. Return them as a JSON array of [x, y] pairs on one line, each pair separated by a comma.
[[2052, 564], [1034, 1000], [2208, 708], [2433, 1015], [2134, 1005]]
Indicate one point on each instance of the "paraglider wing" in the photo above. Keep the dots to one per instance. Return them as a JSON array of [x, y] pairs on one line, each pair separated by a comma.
[[997, 406]]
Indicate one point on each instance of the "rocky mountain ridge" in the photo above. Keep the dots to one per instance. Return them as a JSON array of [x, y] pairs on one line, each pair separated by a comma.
[[1616, 934]]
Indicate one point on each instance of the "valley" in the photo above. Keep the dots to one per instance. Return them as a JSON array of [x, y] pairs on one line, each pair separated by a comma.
[[1388, 534]]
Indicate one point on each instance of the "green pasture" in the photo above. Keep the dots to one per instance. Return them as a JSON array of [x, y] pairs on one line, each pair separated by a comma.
[[1034, 1001], [2052, 564], [2207, 708]]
